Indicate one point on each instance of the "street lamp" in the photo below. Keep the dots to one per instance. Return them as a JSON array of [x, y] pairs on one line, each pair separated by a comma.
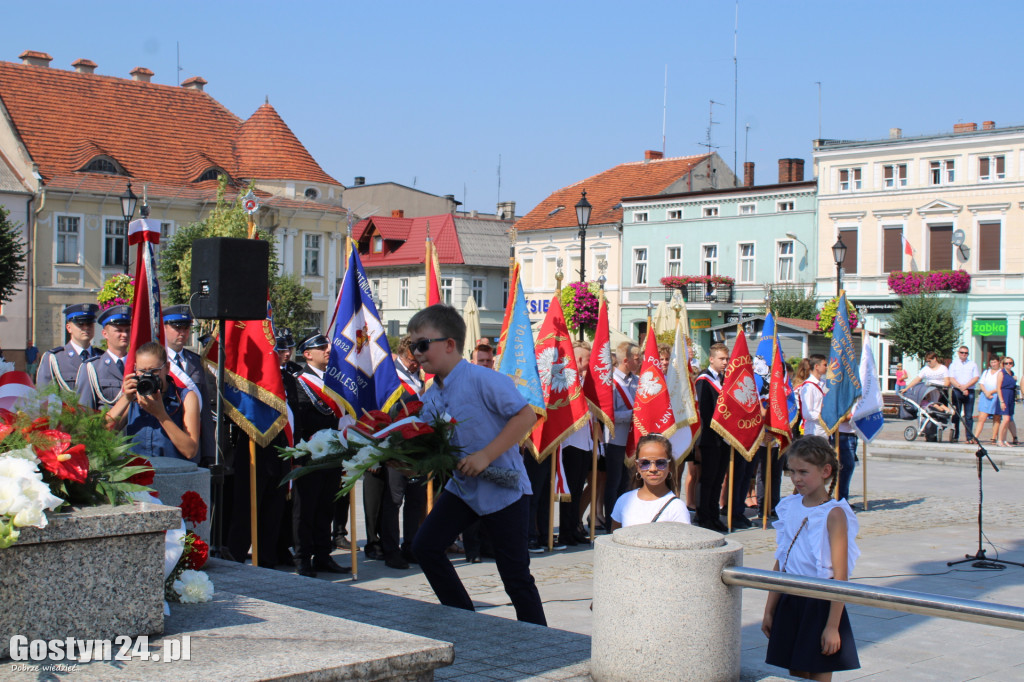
[[128, 201], [838, 255], [583, 209]]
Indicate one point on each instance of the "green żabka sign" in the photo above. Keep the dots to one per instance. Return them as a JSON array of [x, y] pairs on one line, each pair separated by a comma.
[[989, 328]]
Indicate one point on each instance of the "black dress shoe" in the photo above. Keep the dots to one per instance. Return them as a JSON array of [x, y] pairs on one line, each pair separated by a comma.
[[741, 522], [305, 568], [569, 540], [396, 561], [329, 565], [374, 552], [717, 525], [409, 556]]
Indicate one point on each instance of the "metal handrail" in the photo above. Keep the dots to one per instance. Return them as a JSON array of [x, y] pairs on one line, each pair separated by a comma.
[[907, 601]]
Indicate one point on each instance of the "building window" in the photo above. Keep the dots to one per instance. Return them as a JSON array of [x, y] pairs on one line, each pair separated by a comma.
[[478, 291], [316, 320], [312, 193], [894, 175], [940, 247], [989, 250], [785, 259], [991, 168], [674, 261], [446, 290], [748, 209], [784, 206], [849, 179], [640, 216], [375, 288], [849, 263], [377, 244], [504, 293], [210, 174], [68, 250], [101, 164], [675, 214], [710, 212], [403, 292], [746, 251], [550, 270], [114, 234], [640, 266], [943, 172], [526, 273], [311, 255], [710, 261], [892, 248], [166, 232]]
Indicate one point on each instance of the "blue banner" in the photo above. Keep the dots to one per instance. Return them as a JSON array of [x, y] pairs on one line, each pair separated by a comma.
[[841, 382], [518, 359], [361, 373], [763, 357]]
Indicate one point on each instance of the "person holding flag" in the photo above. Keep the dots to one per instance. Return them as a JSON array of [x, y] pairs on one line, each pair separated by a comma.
[[842, 388], [713, 454], [625, 382]]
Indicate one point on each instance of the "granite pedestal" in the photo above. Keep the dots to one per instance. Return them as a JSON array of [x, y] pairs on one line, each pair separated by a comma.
[[92, 573], [661, 610], [174, 477]]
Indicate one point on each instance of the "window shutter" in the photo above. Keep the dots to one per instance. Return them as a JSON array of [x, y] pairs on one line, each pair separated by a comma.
[[940, 247], [850, 240], [988, 246], [892, 249]]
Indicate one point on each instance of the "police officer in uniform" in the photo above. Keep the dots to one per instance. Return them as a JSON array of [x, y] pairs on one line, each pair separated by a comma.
[[100, 378], [181, 361], [284, 344], [61, 364], [313, 494]]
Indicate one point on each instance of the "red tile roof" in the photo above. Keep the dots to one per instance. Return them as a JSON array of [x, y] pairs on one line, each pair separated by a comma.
[[412, 250], [605, 191], [160, 134]]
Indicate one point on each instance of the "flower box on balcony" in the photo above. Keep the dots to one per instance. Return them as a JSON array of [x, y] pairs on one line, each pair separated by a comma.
[[926, 281], [701, 288]]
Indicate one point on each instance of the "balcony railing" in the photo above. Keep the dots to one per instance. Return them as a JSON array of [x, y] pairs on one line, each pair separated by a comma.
[[707, 293]]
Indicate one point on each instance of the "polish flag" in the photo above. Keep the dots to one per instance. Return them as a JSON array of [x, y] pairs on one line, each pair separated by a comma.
[[906, 246]]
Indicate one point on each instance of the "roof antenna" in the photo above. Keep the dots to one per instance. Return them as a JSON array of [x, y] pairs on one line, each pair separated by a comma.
[[266, 99], [178, 46], [664, 112]]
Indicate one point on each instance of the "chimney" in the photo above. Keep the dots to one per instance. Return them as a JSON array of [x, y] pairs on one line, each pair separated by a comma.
[[474, 214], [988, 125], [785, 170], [452, 204], [195, 83], [398, 213], [965, 127], [895, 133], [84, 65], [144, 75], [33, 58], [796, 170], [506, 210], [652, 155], [360, 180], [748, 173]]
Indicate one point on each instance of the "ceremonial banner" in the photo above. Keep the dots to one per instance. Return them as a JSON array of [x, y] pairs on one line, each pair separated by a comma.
[[737, 417], [433, 271], [516, 356], [143, 230], [597, 385], [762, 360], [683, 395], [780, 391], [867, 417], [841, 384], [560, 384], [147, 323], [360, 373], [652, 409]]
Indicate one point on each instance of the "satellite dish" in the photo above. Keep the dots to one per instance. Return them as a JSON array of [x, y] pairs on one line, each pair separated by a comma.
[[959, 237], [963, 253]]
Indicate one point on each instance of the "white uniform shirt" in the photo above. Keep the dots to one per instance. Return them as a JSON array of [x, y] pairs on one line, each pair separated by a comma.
[[811, 398]]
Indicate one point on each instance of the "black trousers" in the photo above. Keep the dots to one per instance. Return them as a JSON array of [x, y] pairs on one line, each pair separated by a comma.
[[375, 486], [714, 465], [507, 529], [576, 463], [270, 504], [341, 517], [414, 493], [539, 517], [313, 511], [617, 478], [778, 464], [742, 472]]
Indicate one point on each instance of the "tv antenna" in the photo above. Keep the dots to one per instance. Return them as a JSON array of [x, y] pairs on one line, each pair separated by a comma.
[[711, 122]]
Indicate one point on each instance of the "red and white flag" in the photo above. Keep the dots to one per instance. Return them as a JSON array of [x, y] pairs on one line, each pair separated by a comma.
[[143, 230], [906, 246], [147, 323], [778, 400], [737, 417], [597, 385], [14, 386], [652, 409]]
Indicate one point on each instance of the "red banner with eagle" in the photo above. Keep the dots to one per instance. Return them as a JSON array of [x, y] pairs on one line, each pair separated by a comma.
[[737, 416], [597, 385], [652, 409]]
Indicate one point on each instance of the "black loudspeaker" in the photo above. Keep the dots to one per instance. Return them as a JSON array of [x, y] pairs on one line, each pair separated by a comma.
[[229, 278]]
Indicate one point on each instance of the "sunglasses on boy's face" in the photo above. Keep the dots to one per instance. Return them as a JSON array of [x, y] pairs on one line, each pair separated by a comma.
[[423, 345], [659, 464]]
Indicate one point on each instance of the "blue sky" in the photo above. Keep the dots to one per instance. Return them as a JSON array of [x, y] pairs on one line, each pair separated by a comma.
[[431, 93]]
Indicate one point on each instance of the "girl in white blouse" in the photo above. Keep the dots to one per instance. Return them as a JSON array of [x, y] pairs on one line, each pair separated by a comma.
[[815, 536], [655, 499]]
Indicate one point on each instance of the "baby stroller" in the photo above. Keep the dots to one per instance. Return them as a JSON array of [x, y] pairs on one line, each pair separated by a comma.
[[925, 403]]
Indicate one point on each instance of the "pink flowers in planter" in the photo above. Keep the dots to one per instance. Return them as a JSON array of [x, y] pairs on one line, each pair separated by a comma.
[[680, 281], [921, 282]]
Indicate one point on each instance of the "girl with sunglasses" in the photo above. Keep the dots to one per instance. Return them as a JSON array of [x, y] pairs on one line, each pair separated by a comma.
[[654, 498]]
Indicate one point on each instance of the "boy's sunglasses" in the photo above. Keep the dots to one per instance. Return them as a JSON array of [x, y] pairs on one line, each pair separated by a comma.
[[659, 464], [423, 345]]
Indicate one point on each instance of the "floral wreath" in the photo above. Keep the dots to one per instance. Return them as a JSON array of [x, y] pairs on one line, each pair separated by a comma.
[[827, 315]]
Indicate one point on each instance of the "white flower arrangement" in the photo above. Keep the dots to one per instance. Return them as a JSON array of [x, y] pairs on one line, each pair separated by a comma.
[[23, 496], [193, 587]]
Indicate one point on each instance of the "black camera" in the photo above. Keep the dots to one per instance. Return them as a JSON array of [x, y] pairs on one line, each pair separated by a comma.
[[148, 383]]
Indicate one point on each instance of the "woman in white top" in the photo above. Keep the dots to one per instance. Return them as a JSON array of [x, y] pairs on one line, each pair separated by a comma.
[[655, 498], [934, 372], [988, 402]]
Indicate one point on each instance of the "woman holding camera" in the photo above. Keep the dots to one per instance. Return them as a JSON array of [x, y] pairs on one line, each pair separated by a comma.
[[161, 418]]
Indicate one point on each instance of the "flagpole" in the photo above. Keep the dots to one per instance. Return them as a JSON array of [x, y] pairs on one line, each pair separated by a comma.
[[839, 463], [767, 486], [732, 465], [864, 472], [353, 542], [594, 432], [554, 455], [253, 530]]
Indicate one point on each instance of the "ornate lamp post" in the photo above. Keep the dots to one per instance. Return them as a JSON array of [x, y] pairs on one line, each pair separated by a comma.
[[128, 201], [583, 209], [838, 255]]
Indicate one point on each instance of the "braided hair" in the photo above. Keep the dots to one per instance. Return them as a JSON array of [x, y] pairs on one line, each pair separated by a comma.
[[816, 451]]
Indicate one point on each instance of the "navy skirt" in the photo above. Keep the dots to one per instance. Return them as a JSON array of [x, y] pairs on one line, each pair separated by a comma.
[[795, 643]]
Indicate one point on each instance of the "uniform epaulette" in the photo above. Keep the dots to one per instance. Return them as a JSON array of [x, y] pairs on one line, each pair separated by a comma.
[[58, 349]]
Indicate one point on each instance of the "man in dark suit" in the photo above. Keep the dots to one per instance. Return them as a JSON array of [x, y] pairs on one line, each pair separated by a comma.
[[61, 364], [714, 453], [100, 378]]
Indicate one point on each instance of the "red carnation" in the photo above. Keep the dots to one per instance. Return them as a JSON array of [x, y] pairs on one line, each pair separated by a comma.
[[198, 554], [143, 477], [412, 408], [410, 431], [71, 464], [193, 509]]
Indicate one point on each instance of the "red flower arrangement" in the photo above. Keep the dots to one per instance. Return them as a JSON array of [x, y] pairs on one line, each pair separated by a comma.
[[144, 477], [193, 509], [68, 463], [198, 552]]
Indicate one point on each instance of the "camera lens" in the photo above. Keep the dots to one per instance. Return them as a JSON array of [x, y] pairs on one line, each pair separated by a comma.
[[148, 384]]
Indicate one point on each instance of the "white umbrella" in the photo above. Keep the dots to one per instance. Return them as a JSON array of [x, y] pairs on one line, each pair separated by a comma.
[[471, 314]]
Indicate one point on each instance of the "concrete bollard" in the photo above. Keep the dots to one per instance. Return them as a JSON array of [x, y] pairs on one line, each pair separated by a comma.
[[661, 610], [174, 477]]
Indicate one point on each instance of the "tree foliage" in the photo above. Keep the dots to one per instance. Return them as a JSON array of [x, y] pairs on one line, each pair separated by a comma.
[[923, 324], [795, 303], [12, 257], [289, 299]]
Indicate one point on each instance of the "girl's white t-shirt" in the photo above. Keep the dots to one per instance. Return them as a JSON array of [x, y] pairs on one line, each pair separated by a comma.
[[811, 553], [630, 510]]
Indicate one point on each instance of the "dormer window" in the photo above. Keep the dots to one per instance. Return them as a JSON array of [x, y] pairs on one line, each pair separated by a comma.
[[211, 174], [104, 164], [378, 243], [312, 193]]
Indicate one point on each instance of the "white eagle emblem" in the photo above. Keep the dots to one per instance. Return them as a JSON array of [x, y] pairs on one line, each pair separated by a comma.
[[649, 386], [603, 364], [746, 393], [555, 375]]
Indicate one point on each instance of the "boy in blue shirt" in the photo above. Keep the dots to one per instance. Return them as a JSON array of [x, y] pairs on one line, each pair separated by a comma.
[[491, 420]]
